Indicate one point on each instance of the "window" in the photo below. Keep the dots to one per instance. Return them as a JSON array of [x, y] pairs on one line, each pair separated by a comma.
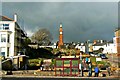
[[3, 37], [4, 26], [3, 51]]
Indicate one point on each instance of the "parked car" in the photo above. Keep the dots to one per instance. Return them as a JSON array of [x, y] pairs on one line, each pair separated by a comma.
[[103, 56]]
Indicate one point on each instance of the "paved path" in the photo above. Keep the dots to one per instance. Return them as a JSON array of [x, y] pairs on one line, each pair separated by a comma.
[[31, 76], [56, 78], [114, 60]]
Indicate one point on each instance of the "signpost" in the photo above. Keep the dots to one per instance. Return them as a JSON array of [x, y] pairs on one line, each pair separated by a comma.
[[80, 65]]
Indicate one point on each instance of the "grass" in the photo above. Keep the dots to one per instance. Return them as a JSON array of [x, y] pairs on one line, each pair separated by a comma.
[[99, 63], [67, 63], [93, 59], [75, 62], [59, 62]]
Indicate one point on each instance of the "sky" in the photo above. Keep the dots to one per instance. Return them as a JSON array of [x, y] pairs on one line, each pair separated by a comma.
[[81, 20], [60, 0]]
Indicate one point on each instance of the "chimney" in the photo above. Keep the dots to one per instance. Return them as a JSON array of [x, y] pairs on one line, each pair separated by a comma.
[[15, 17], [101, 41], [95, 42]]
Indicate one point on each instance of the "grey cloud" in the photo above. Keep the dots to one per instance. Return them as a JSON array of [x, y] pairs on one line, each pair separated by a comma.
[[60, 0], [0, 8], [81, 20]]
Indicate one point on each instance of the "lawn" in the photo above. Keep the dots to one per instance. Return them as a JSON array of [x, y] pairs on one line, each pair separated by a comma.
[[67, 64], [93, 59], [59, 62]]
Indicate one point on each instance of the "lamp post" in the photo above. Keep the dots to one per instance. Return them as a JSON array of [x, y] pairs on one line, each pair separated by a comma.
[[87, 46]]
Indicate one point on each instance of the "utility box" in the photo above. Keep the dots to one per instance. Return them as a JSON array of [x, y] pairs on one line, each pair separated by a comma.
[[20, 62]]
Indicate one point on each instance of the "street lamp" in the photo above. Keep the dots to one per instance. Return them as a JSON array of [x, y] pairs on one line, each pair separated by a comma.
[[87, 46]]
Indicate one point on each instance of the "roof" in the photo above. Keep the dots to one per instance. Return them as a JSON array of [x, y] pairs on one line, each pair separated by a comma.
[[5, 18], [99, 44], [111, 41]]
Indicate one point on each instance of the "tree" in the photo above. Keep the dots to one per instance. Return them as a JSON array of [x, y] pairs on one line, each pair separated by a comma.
[[42, 37], [100, 50], [27, 41], [40, 53], [26, 48]]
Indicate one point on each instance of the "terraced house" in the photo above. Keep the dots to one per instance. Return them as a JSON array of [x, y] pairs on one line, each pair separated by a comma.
[[11, 36]]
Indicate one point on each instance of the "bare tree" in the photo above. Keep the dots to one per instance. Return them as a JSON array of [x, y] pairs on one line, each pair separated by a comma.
[[42, 37]]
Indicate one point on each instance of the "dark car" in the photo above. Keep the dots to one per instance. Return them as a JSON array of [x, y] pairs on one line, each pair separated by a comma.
[[103, 56]]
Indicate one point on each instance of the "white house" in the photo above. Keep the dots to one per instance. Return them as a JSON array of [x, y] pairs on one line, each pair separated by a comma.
[[11, 36], [81, 47], [109, 47]]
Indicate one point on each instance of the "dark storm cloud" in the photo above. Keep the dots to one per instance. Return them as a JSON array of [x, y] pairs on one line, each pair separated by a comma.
[[81, 20], [0, 8]]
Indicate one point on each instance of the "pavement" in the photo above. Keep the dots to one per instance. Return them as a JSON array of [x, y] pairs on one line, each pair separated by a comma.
[[114, 58], [30, 75], [56, 78]]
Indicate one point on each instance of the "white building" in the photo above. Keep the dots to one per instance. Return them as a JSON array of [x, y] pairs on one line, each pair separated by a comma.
[[11, 36], [109, 47], [116, 40], [81, 47]]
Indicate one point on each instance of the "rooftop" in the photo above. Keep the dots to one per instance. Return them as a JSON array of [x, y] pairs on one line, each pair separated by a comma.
[[5, 18]]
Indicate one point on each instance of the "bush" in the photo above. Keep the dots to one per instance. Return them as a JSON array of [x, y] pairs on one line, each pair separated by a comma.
[[34, 60], [40, 53], [93, 59], [101, 62], [33, 63], [49, 49]]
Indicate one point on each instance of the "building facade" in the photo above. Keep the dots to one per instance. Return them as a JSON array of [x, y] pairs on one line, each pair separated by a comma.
[[117, 40], [11, 36], [109, 47]]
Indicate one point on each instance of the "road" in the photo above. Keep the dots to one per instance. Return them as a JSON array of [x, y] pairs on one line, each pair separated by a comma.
[[57, 78]]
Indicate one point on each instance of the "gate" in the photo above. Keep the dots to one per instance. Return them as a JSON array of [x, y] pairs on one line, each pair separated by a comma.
[[67, 67]]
